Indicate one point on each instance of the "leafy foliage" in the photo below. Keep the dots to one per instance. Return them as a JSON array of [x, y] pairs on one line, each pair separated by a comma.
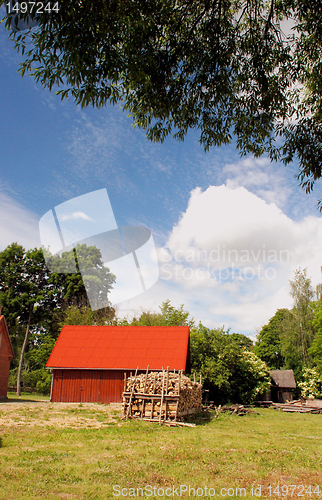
[[229, 371], [315, 349], [26, 291], [223, 67], [83, 315], [268, 344], [98, 278], [300, 334], [311, 384], [168, 316]]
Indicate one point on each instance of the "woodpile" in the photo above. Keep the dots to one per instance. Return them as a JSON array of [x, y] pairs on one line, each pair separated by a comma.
[[165, 397], [300, 406], [236, 409]]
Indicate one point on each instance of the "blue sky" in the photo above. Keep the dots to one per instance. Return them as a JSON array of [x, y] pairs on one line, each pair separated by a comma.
[[229, 232]]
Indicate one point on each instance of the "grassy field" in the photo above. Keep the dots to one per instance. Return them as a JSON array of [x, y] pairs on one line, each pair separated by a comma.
[[71, 451], [26, 396]]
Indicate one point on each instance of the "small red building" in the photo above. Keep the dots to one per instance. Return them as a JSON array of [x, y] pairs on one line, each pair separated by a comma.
[[89, 362], [6, 355]]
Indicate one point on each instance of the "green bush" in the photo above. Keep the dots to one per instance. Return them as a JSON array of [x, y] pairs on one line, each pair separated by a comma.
[[311, 384], [37, 380], [230, 372]]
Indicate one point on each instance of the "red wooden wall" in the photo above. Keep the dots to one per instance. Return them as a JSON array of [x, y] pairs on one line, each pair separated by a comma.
[[91, 386], [4, 374], [6, 355]]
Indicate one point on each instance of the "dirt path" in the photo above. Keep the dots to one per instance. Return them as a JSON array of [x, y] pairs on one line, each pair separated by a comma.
[[46, 414]]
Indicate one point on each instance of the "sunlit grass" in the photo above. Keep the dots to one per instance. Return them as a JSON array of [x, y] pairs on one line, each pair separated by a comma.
[[26, 396], [51, 462]]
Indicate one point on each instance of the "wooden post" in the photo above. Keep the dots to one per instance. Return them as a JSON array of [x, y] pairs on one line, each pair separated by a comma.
[[179, 382], [152, 402], [200, 379], [162, 396], [132, 392], [154, 382], [146, 377], [144, 389], [166, 392], [194, 377]]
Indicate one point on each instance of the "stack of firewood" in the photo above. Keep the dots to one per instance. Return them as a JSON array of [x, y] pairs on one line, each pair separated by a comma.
[[190, 397], [169, 394]]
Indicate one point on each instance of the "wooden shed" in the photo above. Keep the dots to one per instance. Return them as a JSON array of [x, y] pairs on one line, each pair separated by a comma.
[[283, 384], [89, 362], [6, 355]]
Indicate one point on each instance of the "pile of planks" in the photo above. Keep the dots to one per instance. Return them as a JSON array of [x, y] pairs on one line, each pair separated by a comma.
[[164, 397], [300, 406]]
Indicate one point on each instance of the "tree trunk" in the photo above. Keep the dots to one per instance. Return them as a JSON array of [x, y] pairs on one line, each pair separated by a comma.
[[302, 342], [24, 345]]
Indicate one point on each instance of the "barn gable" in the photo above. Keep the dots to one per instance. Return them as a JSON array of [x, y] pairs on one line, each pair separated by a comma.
[[89, 362], [6, 355]]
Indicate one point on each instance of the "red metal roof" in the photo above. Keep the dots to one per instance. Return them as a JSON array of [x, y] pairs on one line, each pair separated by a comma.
[[121, 347]]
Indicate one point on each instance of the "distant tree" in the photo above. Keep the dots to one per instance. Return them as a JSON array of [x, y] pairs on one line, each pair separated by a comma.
[[302, 294], [76, 314], [36, 375], [220, 67], [285, 342], [98, 278], [25, 291], [315, 349], [292, 346], [268, 343], [168, 316], [243, 341]]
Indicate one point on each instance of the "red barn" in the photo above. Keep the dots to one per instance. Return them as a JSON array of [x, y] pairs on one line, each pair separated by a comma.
[[6, 355], [89, 362]]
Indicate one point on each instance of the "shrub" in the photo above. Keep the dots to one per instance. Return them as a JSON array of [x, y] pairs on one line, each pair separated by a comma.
[[311, 384]]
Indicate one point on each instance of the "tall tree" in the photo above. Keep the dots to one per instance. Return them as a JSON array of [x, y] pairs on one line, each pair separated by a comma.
[[222, 67], [302, 294], [268, 344], [91, 281], [26, 291], [315, 349]]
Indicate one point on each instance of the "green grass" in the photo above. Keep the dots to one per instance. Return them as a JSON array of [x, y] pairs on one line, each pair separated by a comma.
[[49, 462], [27, 396]]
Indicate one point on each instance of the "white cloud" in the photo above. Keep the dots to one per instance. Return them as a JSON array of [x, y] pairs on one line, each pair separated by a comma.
[[76, 216], [260, 176], [230, 257], [17, 224]]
